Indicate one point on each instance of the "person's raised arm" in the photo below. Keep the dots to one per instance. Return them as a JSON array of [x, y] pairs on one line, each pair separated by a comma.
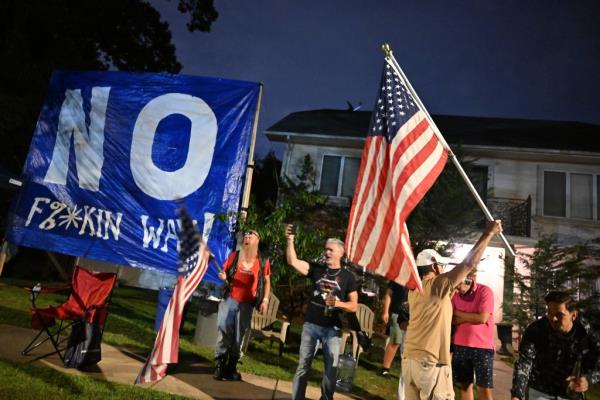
[[459, 272], [290, 253]]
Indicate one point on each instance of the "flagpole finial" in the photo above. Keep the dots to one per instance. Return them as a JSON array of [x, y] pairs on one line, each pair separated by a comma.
[[386, 49]]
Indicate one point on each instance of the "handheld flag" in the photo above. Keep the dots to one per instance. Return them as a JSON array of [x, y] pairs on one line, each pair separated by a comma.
[[401, 160], [193, 260]]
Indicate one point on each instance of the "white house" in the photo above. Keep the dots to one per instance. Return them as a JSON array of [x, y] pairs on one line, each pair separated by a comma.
[[540, 177], [553, 166]]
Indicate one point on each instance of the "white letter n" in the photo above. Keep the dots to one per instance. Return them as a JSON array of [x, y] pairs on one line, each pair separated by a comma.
[[89, 153]]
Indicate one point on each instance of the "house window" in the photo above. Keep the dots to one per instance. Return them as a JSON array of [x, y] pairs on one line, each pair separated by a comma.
[[570, 195], [338, 175], [555, 192], [581, 196]]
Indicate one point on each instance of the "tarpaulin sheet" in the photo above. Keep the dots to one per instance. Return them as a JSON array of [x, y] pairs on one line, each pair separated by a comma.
[[114, 154]]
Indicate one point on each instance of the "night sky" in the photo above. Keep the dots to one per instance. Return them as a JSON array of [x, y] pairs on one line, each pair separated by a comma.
[[512, 59]]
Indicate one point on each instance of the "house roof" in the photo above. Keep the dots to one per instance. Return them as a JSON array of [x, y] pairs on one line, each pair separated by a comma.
[[483, 131]]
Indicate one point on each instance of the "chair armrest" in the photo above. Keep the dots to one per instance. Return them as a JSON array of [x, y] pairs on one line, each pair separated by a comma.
[[35, 291], [48, 289]]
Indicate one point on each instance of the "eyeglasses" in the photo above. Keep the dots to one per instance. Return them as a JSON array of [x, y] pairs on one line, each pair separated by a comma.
[[248, 233], [468, 281]]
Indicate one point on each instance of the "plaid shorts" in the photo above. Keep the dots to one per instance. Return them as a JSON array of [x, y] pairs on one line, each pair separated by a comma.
[[469, 362]]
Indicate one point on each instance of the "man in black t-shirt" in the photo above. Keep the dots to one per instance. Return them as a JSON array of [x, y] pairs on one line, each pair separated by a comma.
[[333, 292]]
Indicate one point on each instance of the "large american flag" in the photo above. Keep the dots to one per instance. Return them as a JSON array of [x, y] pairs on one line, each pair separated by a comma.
[[193, 263], [401, 160]]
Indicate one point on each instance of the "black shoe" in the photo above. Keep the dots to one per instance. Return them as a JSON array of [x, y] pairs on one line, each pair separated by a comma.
[[384, 373], [231, 372], [220, 370]]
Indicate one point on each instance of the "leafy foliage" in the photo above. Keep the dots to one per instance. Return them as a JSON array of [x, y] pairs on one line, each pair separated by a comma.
[[447, 210], [554, 267], [37, 37], [314, 221]]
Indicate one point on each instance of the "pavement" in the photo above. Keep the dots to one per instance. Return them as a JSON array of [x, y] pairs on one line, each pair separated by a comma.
[[190, 377]]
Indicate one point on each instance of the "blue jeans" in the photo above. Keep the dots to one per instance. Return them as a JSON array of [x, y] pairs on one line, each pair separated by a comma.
[[312, 335], [233, 321]]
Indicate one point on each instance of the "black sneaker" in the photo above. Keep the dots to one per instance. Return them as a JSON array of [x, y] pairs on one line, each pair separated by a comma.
[[384, 373]]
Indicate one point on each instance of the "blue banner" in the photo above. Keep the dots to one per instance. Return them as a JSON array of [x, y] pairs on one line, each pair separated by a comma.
[[114, 154]]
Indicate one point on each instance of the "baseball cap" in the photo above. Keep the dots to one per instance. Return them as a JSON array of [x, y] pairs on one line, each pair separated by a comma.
[[430, 256]]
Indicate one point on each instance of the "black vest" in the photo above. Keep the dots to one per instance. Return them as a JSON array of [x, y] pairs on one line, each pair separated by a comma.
[[260, 287]]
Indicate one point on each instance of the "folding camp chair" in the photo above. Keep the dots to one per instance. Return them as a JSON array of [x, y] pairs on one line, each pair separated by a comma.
[[88, 302]]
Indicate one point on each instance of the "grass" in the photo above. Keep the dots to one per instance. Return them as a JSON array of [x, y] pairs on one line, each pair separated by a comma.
[[130, 326], [26, 381]]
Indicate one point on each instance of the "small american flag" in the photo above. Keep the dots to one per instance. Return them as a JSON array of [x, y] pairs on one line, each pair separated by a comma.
[[193, 260], [401, 160]]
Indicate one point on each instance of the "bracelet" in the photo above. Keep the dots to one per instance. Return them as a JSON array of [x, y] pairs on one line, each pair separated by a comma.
[[265, 300]]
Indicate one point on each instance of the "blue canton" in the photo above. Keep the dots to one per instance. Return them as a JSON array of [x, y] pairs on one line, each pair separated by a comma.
[[395, 105], [190, 244]]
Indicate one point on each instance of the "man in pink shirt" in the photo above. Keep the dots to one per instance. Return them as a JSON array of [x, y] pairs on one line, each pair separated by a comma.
[[473, 315]]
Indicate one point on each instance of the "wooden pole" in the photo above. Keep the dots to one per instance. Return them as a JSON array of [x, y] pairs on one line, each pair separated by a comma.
[[250, 164]]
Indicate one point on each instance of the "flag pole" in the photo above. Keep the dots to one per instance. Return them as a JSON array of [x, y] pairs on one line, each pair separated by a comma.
[[250, 165], [389, 58]]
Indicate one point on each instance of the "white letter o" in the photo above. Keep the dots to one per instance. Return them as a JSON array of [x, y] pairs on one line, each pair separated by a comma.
[[171, 185]]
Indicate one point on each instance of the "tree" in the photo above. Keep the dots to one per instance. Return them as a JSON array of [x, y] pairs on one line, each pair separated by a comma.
[[265, 182], [554, 267], [308, 210], [448, 210], [37, 37]]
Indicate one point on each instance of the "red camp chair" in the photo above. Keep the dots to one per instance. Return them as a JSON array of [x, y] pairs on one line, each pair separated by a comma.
[[88, 302]]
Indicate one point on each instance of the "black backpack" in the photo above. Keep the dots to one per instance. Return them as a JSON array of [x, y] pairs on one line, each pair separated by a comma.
[[83, 346], [260, 287]]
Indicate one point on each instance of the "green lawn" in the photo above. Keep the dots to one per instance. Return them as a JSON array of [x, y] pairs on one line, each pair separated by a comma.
[[130, 325], [26, 381]]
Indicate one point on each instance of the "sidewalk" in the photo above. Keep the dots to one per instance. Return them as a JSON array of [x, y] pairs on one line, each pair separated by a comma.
[[502, 379], [190, 378]]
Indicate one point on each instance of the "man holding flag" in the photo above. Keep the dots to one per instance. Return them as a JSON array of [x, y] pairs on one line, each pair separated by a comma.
[[426, 362], [403, 156]]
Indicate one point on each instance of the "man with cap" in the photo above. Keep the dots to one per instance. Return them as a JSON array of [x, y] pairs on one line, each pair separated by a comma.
[[426, 362], [248, 286]]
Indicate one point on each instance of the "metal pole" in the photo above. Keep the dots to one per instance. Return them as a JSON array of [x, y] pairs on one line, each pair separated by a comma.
[[250, 165], [389, 58]]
